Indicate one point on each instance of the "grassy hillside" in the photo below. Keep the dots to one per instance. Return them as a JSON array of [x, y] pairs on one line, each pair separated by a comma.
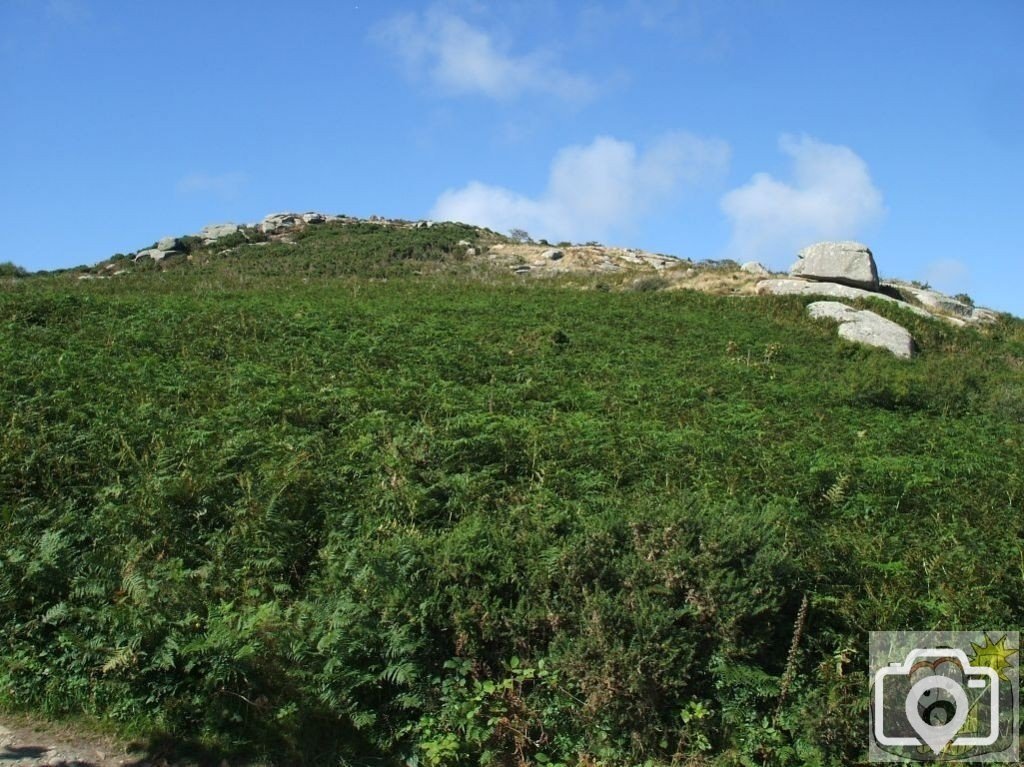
[[273, 505]]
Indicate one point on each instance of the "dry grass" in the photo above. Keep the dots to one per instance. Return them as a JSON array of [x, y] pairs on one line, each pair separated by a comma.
[[718, 282], [621, 268]]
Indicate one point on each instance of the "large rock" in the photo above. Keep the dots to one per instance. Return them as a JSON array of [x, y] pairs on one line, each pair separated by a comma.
[[754, 267], [784, 287], [276, 223], [981, 314], [865, 327], [167, 244], [212, 232], [155, 253], [943, 305], [848, 263]]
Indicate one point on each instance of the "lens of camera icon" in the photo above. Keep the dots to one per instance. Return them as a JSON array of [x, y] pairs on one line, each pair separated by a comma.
[[935, 704], [936, 720]]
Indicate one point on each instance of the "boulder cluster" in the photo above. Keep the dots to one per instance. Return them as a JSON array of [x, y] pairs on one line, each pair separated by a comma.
[[168, 246], [847, 270], [274, 226], [282, 223]]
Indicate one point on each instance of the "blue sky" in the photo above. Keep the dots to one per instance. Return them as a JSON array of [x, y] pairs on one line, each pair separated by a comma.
[[700, 129]]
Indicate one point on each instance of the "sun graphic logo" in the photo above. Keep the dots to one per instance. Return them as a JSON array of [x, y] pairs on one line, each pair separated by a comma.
[[995, 655], [944, 696]]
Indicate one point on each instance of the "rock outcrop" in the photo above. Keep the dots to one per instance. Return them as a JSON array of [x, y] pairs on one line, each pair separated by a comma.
[[277, 222], [865, 327], [213, 232], [847, 270], [939, 303], [845, 263], [789, 287], [167, 246]]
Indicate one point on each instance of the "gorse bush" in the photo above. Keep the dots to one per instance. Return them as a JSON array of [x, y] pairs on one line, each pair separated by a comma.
[[442, 523]]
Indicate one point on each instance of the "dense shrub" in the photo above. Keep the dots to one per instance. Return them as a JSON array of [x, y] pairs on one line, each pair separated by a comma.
[[431, 520]]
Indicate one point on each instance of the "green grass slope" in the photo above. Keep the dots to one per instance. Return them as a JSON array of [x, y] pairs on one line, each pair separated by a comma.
[[349, 249], [277, 507]]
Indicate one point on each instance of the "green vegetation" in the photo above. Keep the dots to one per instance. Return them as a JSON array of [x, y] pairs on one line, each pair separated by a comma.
[[351, 250], [649, 284], [269, 504], [8, 269], [964, 298]]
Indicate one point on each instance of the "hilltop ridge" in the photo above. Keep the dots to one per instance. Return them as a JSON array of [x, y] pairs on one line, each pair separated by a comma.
[[314, 245], [522, 255]]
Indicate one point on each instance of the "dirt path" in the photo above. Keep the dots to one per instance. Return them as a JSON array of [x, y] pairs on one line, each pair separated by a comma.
[[25, 743]]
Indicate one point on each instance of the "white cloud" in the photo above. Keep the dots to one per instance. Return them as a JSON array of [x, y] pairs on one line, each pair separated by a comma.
[[831, 196], [462, 59], [223, 185], [592, 190]]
